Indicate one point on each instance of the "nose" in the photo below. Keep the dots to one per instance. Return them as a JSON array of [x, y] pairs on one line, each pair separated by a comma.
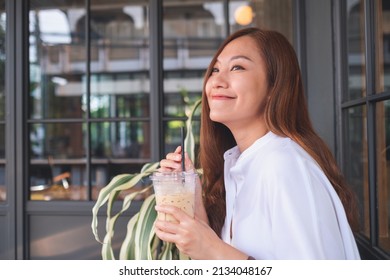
[[219, 80]]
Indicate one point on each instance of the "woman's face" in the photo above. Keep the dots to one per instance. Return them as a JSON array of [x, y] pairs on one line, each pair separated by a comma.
[[237, 88]]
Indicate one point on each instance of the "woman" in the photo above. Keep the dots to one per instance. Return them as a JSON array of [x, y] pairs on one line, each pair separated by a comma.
[[271, 187]]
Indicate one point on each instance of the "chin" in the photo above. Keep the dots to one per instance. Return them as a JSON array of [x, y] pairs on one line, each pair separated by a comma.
[[218, 118]]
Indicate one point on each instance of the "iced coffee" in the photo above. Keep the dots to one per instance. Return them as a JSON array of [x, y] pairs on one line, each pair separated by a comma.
[[177, 189]]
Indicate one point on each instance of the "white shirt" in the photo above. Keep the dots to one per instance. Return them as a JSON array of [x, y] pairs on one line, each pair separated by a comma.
[[280, 204]]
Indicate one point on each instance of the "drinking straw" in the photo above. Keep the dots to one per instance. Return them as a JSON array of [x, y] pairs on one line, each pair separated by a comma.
[[182, 149]]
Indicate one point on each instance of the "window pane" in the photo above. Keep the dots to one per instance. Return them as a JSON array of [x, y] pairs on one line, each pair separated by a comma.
[[2, 99], [119, 95], [356, 50], [356, 161], [57, 59], [119, 59], [57, 179], [270, 14], [120, 140], [58, 162], [383, 172], [383, 46], [59, 140]]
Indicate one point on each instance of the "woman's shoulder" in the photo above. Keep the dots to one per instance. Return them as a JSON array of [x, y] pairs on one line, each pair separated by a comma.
[[281, 150], [283, 157]]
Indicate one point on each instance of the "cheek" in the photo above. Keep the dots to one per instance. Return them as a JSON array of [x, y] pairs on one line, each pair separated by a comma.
[[207, 88]]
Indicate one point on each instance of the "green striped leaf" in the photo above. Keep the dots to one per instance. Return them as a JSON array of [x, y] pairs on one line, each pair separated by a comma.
[[127, 251], [110, 192], [166, 252], [111, 221], [189, 141], [145, 228]]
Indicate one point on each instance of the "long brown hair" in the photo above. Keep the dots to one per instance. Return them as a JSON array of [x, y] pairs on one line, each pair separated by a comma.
[[286, 114]]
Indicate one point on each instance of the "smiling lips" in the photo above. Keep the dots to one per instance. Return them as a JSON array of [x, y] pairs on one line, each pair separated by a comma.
[[221, 97]]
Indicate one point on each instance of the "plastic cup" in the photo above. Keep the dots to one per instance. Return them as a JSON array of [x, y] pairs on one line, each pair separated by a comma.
[[177, 189]]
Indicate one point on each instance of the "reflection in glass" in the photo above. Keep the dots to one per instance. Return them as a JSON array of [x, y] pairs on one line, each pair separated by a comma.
[[56, 180], [356, 50], [120, 140], [383, 172], [57, 59], [270, 14], [382, 46], [119, 95], [356, 162], [58, 164], [71, 156], [58, 140], [2, 99], [120, 70]]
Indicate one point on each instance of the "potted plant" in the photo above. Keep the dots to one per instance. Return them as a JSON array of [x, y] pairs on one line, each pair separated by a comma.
[[141, 242]]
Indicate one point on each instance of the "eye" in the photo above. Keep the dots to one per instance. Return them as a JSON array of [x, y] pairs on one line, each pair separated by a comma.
[[214, 70], [237, 67]]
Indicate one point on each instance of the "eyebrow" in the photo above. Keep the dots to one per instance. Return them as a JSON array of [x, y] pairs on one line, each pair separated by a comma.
[[237, 57], [240, 57]]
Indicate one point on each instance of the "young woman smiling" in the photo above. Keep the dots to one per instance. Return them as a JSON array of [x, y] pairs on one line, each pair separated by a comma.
[[271, 188]]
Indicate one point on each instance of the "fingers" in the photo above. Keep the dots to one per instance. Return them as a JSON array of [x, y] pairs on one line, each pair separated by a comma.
[[168, 237], [180, 232], [173, 160], [179, 223]]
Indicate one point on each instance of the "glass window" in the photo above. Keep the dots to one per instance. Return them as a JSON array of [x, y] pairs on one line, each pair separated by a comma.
[[57, 59], [375, 103], [356, 160], [89, 107], [383, 47], [356, 50], [382, 85], [269, 14], [383, 172], [2, 100]]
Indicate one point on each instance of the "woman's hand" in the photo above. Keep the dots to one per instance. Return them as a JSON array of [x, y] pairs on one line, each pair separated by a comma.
[[192, 236], [172, 161]]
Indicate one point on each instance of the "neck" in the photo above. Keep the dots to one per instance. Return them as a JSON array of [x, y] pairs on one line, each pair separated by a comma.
[[246, 135]]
